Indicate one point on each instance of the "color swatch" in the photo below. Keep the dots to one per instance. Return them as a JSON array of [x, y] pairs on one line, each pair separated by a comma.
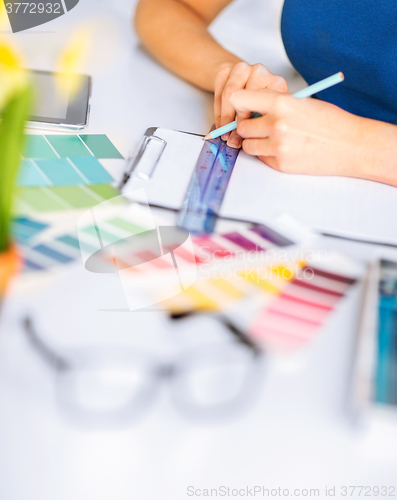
[[293, 301], [66, 160], [24, 229], [41, 147], [62, 172], [101, 146], [37, 147], [300, 309], [49, 254], [43, 199], [386, 366], [67, 146], [288, 302]]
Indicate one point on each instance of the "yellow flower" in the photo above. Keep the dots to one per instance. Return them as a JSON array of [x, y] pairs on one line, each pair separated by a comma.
[[72, 60], [12, 75], [3, 16], [9, 59]]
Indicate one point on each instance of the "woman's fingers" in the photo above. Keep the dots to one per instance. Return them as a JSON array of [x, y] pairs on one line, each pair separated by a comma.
[[254, 127], [244, 101], [258, 147], [271, 161], [234, 140], [237, 79], [220, 82], [261, 79]]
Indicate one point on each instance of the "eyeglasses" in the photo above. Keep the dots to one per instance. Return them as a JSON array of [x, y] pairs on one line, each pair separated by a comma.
[[115, 385]]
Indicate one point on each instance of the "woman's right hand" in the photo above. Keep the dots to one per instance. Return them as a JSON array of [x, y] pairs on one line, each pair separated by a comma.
[[237, 77]]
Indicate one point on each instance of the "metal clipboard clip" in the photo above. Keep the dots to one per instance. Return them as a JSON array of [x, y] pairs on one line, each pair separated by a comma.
[[147, 158]]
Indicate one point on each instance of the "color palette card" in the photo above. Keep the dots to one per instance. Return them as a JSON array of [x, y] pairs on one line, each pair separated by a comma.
[[62, 172], [282, 294], [282, 306], [24, 229], [300, 309], [43, 147], [53, 240], [385, 390], [216, 249], [50, 254], [49, 199], [66, 160], [44, 244], [150, 270]]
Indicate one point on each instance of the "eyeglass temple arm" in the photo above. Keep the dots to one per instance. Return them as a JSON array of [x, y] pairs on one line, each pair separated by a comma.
[[50, 356], [240, 336]]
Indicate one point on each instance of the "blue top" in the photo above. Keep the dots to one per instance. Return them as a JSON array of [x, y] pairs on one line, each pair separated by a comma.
[[357, 37]]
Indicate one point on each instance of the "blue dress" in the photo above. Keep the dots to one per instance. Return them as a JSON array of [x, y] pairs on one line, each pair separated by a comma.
[[357, 37]]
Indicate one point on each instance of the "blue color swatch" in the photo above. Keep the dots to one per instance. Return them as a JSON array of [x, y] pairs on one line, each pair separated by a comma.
[[62, 172], [92, 170], [24, 229]]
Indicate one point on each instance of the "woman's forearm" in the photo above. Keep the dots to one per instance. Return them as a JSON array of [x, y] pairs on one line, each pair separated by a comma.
[[176, 34], [377, 154]]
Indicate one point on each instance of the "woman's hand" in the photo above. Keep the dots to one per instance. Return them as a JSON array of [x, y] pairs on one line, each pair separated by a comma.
[[302, 136], [232, 77]]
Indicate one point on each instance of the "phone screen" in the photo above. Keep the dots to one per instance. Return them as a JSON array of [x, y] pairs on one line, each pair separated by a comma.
[[49, 102]]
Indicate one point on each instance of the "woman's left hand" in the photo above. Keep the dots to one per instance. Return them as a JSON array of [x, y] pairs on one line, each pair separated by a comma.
[[301, 136]]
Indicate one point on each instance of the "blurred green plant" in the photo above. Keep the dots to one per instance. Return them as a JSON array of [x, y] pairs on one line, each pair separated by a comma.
[[11, 145], [15, 101]]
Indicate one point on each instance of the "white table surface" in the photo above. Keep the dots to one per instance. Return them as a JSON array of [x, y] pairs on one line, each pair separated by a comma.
[[298, 435]]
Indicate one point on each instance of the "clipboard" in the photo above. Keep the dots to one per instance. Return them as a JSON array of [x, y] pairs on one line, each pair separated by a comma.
[[162, 167]]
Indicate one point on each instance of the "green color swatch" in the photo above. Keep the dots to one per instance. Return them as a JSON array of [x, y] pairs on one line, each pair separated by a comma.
[[38, 148], [39, 200], [126, 225], [68, 145], [69, 240], [76, 196], [105, 235], [64, 197], [106, 192], [101, 146]]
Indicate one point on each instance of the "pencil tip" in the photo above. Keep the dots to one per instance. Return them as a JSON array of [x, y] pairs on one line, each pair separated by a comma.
[[342, 75], [207, 137]]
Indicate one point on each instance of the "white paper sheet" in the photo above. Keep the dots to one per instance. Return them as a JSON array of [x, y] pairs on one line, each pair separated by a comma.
[[341, 205]]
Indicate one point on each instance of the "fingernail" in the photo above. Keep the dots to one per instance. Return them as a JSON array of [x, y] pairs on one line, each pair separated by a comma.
[[235, 142], [225, 137]]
